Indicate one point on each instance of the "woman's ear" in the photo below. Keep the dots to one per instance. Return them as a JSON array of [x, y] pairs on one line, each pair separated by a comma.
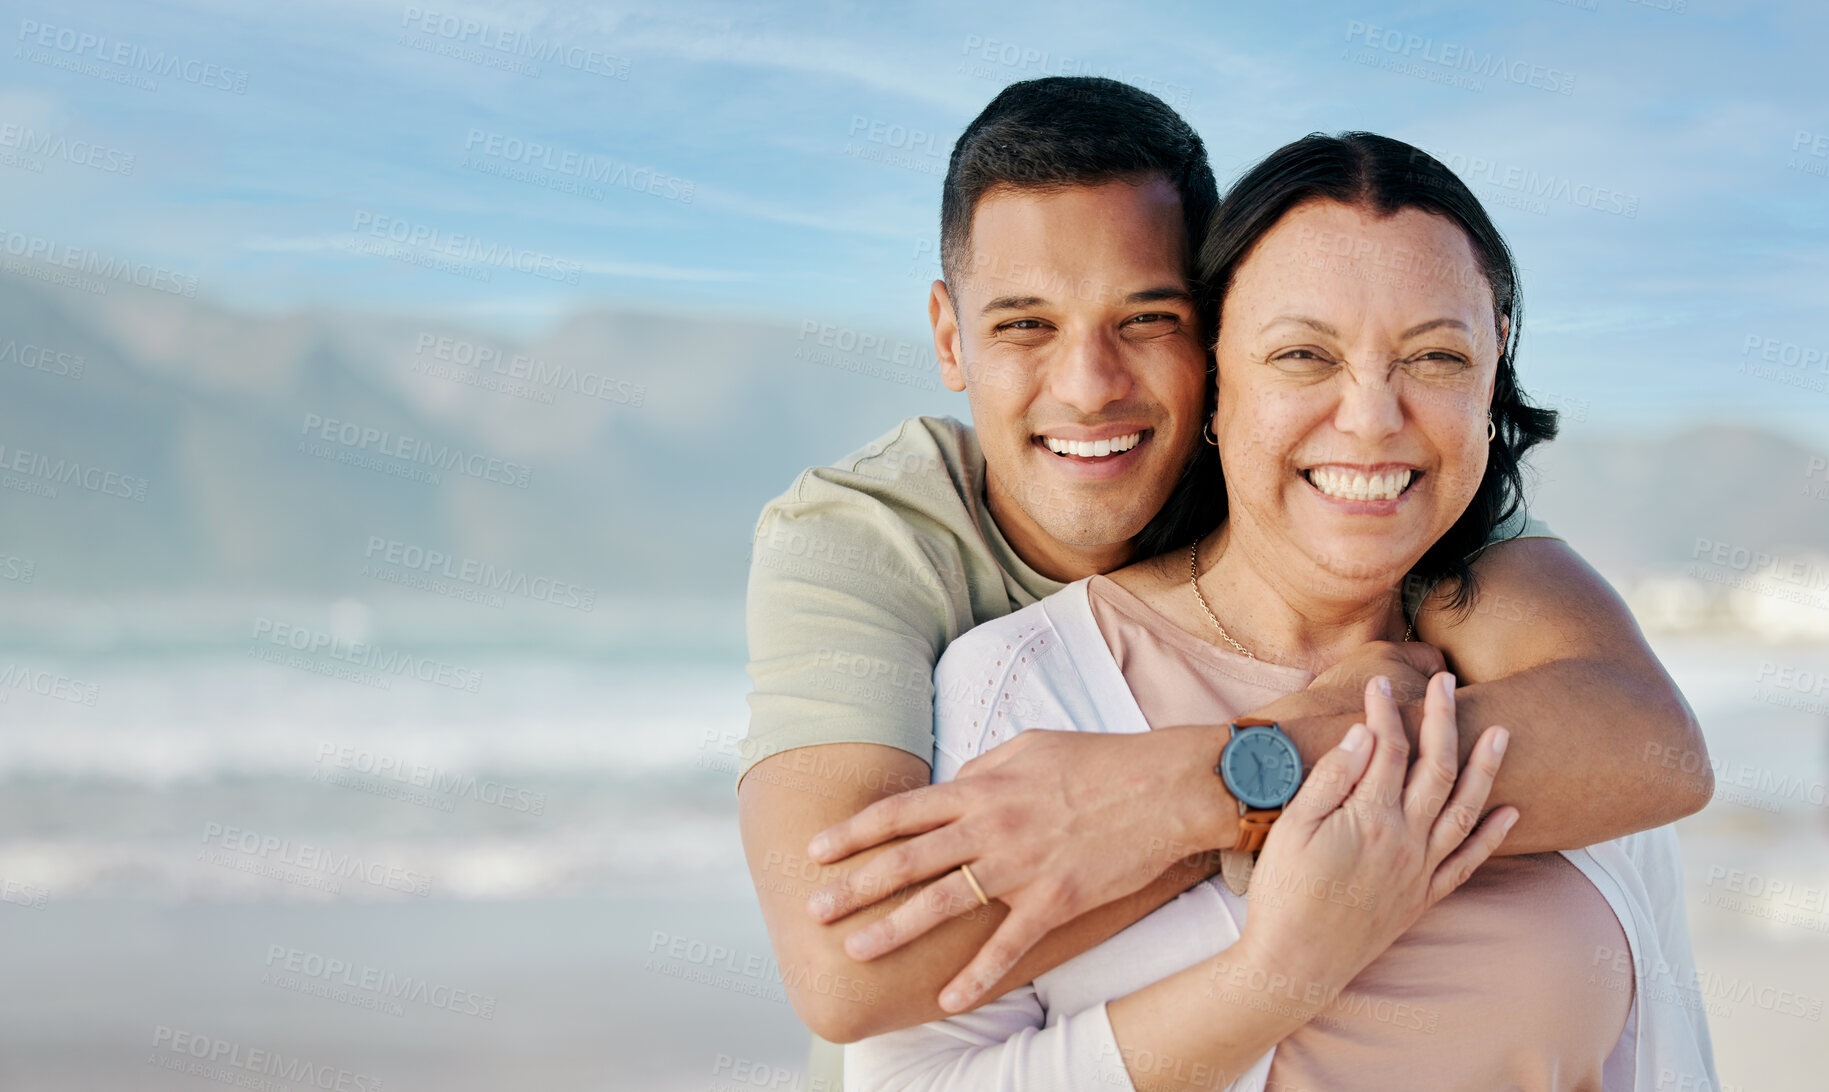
[[1504, 340]]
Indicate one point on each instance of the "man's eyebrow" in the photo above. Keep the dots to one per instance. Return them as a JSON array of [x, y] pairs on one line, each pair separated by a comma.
[[1159, 294], [1162, 294], [1012, 303]]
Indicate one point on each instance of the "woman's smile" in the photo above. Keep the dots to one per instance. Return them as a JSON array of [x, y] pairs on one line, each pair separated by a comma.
[[1375, 489]]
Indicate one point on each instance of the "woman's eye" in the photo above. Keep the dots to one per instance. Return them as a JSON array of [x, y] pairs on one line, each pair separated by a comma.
[[1301, 362], [1437, 364]]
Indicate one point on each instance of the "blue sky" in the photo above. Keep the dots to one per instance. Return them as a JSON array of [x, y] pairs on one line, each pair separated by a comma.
[[1659, 166]]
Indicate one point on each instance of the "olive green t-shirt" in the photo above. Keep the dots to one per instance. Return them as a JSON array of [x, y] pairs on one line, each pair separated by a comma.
[[864, 571]]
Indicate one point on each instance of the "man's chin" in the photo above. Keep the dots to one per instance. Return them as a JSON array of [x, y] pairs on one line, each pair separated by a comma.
[[1097, 528]]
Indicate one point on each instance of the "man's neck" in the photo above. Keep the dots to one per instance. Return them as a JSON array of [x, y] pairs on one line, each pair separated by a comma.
[[1047, 555]]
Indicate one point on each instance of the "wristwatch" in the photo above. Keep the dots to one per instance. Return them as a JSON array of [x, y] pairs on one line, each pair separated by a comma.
[[1262, 769]]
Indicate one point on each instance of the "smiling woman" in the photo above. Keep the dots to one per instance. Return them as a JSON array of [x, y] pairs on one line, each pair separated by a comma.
[[1366, 428], [1368, 222]]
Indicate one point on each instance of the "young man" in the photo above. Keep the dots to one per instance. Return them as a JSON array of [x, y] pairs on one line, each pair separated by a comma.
[[1070, 213]]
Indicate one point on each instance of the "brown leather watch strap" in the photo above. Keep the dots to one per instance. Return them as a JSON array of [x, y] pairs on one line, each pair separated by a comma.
[[1253, 829]]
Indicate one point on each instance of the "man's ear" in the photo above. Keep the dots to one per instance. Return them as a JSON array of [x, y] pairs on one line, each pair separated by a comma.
[[946, 337]]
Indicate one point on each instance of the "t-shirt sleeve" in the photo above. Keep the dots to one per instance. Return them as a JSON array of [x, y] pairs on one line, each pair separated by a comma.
[[846, 615], [1520, 524]]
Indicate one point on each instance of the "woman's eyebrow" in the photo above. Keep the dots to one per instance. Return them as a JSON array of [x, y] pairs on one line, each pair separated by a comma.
[[1415, 331], [1432, 324], [1303, 320]]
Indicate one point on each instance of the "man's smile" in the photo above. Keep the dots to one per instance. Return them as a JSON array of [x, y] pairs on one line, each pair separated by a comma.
[[1083, 444]]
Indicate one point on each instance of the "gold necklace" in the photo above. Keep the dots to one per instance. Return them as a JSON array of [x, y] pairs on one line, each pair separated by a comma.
[[1194, 582]]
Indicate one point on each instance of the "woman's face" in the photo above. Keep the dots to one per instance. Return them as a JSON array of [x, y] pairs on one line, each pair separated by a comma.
[[1356, 358]]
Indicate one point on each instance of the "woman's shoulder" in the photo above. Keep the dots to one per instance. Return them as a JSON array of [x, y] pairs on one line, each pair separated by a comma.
[[1031, 626]]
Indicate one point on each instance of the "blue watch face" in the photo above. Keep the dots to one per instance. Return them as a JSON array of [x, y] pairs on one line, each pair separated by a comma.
[[1261, 767]]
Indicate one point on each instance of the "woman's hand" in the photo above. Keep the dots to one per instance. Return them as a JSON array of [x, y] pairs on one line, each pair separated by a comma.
[[1362, 851]]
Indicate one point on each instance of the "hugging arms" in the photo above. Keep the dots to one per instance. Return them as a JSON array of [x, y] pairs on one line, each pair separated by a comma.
[[864, 572]]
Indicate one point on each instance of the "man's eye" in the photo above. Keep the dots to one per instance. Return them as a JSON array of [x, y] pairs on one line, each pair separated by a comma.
[[1022, 324], [1154, 324]]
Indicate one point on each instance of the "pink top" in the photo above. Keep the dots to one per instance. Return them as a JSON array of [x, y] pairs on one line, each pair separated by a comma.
[[1494, 987]]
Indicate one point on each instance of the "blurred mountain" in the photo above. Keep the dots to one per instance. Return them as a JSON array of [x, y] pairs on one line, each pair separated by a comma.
[[651, 491], [651, 441], [1639, 506]]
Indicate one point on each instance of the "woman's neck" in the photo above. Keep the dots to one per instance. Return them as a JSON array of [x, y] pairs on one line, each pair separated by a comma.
[[1286, 608]]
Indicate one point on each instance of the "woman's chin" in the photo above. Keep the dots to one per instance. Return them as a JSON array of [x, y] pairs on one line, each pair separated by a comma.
[[1376, 559]]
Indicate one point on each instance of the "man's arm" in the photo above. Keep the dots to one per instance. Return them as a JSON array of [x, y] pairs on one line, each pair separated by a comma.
[[1550, 651], [842, 717], [788, 798]]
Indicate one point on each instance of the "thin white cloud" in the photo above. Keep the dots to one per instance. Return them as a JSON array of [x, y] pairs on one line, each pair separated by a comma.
[[302, 244], [646, 271], [864, 64]]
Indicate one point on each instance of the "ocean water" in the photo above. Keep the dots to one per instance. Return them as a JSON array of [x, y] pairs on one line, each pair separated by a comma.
[[558, 834], [553, 778]]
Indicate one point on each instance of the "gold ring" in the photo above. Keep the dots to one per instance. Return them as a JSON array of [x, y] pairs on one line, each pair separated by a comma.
[[976, 890]]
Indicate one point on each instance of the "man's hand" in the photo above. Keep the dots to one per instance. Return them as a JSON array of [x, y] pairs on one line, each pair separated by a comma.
[[1407, 664], [1550, 651], [1052, 824]]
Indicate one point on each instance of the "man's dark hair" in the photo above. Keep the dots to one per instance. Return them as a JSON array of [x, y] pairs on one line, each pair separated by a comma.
[[1383, 176], [1064, 131]]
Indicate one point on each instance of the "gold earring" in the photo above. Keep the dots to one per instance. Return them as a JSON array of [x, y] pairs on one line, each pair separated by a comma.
[[1206, 431], [1492, 430]]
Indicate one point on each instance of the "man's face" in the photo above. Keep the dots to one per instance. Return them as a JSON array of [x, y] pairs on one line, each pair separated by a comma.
[[1073, 334]]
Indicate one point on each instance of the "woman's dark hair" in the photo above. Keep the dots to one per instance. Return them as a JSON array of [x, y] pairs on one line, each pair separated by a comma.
[[1062, 131], [1384, 176]]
